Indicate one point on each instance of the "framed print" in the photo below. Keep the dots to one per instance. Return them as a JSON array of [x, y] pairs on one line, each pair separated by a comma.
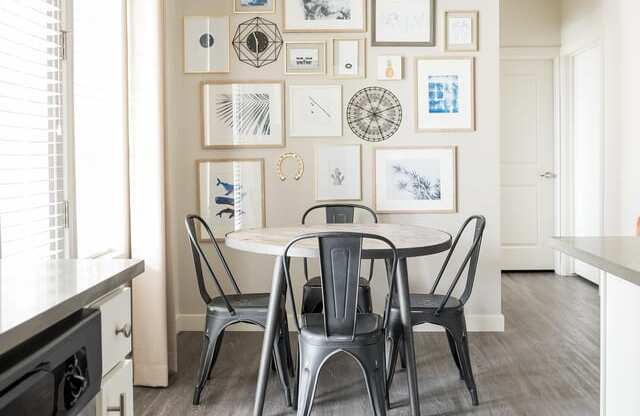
[[243, 114], [305, 58], [348, 58], [389, 67], [230, 195], [338, 172], [445, 94], [254, 6], [206, 44], [325, 15], [415, 179], [461, 31], [315, 111], [403, 23]]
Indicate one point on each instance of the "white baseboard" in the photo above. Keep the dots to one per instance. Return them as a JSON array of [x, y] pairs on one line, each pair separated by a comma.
[[475, 323]]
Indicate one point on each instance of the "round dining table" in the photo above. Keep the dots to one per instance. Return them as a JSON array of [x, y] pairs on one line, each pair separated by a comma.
[[410, 241]]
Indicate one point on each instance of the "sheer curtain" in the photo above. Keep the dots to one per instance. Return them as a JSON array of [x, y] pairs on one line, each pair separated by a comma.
[[146, 152]]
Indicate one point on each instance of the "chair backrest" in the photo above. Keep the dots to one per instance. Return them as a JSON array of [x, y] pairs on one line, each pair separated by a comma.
[[340, 254], [199, 255], [469, 262], [339, 214]]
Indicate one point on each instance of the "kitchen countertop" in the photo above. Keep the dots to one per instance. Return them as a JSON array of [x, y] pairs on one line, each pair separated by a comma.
[[36, 295], [619, 256]]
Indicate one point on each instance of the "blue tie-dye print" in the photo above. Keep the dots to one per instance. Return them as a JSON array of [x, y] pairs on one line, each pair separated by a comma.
[[444, 94]]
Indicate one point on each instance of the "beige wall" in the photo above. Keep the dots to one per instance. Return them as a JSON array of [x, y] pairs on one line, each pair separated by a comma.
[[530, 23], [581, 24], [285, 201]]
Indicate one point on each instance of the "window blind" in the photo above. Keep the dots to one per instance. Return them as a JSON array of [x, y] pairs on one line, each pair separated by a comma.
[[32, 197]]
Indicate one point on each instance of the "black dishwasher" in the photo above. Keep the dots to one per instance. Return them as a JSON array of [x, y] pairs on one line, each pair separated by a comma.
[[57, 372]]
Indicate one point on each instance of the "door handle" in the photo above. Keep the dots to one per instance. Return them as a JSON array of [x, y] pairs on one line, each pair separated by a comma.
[[548, 175], [120, 409]]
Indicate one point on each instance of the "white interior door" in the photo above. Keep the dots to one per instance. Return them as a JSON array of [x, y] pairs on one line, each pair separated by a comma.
[[588, 132], [527, 160]]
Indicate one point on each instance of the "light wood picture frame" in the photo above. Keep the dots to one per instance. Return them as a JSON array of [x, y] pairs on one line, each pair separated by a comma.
[[445, 94], [461, 32], [269, 7], [415, 179], [338, 172], [228, 191], [207, 43], [299, 54], [343, 59], [328, 17], [243, 114], [315, 111], [395, 23]]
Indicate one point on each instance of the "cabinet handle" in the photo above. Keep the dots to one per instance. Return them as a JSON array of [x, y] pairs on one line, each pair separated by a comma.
[[120, 409], [124, 330]]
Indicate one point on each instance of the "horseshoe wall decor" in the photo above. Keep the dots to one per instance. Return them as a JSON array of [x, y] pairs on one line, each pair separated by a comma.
[[299, 162]]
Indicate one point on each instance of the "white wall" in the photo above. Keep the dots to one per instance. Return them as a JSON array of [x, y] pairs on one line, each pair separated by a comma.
[[530, 23], [478, 158], [581, 24]]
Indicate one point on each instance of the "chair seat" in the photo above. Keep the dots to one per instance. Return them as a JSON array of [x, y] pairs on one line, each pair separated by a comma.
[[245, 303], [426, 302], [369, 327], [316, 282]]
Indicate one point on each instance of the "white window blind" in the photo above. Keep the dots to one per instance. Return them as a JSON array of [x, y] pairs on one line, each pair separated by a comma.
[[32, 201]]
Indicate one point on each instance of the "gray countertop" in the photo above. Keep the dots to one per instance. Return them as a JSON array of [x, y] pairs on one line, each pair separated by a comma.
[[36, 295], [619, 256]]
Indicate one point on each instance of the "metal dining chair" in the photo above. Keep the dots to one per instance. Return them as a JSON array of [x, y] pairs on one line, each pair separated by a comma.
[[311, 292], [229, 309], [444, 310], [339, 327]]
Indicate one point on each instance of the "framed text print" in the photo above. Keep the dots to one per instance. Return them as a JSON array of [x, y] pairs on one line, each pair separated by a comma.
[[403, 23], [206, 44], [325, 15], [415, 179], [348, 58], [231, 195], [338, 172], [305, 58], [445, 94], [243, 114]]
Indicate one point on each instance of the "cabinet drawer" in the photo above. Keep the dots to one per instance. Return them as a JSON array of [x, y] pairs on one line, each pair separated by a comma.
[[115, 309], [116, 395]]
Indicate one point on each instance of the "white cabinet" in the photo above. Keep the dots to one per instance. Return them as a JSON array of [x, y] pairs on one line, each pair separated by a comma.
[[116, 395]]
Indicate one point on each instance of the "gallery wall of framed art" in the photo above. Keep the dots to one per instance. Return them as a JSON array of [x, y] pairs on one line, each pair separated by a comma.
[[289, 68]]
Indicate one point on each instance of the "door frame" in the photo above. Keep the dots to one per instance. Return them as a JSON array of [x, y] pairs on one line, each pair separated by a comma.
[[560, 209]]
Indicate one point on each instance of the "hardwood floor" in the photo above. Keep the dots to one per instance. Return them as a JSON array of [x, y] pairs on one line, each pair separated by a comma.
[[545, 363]]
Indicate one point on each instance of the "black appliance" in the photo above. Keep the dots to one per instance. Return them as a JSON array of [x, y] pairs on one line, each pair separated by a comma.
[[57, 372]]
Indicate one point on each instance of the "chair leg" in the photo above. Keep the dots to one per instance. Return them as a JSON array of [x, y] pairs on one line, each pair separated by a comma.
[[454, 353], [287, 344], [374, 372], [403, 357], [465, 357], [280, 361], [311, 360], [209, 341], [216, 352]]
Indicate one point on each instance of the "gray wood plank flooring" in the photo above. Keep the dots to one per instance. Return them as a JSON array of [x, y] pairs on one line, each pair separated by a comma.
[[545, 363]]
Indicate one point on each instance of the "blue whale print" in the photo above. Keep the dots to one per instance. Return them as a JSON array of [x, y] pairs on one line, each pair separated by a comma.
[[228, 187]]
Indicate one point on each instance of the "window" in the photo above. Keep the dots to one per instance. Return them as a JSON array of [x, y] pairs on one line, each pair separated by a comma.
[[100, 128], [32, 148]]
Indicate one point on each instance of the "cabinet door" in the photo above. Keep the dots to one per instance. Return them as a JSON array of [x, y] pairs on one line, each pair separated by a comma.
[[115, 309], [116, 396]]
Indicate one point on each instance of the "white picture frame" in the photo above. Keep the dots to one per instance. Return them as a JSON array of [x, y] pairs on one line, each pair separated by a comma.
[[348, 58], [390, 68], [305, 57], [445, 94], [338, 172], [230, 195], [461, 31], [315, 111], [403, 23], [254, 7], [415, 179], [243, 114], [206, 44], [301, 16]]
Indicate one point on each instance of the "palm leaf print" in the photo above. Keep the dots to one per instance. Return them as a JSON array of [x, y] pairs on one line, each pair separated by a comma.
[[246, 114]]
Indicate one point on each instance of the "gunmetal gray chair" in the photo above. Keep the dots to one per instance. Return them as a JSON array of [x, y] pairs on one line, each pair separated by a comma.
[[225, 310], [311, 292], [444, 310], [340, 328]]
